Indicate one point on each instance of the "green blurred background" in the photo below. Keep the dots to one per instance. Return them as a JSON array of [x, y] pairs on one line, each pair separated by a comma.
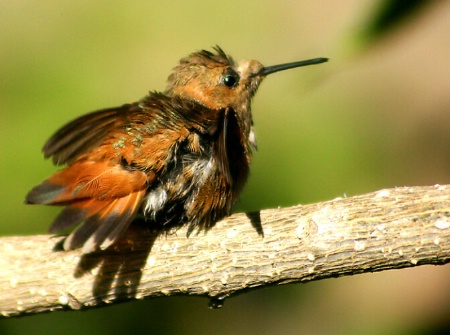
[[375, 116]]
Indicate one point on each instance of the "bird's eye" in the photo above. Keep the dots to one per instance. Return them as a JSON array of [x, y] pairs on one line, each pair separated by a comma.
[[231, 78]]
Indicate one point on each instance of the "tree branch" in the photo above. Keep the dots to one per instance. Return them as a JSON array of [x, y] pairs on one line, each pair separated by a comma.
[[388, 229]]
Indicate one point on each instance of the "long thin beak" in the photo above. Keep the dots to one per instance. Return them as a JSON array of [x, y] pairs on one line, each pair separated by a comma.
[[275, 68]]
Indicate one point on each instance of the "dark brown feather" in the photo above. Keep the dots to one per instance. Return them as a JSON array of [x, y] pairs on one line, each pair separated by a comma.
[[82, 134]]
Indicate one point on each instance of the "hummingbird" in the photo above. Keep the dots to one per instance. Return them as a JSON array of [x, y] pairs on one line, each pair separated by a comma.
[[177, 157]]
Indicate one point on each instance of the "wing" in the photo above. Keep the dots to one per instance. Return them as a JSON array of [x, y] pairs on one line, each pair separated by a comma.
[[114, 156], [157, 112], [231, 152], [84, 133], [101, 188], [103, 197]]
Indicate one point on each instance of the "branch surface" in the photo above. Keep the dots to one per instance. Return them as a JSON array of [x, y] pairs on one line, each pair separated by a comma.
[[388, 229]]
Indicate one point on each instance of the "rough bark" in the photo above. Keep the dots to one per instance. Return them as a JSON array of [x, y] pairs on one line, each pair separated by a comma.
[[388, 229]]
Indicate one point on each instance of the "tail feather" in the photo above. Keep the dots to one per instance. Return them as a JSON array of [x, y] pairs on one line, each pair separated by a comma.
[[68, 218], [90, 225], [129, 208], [101, 198], [75, 213], [101, 224], [79, 236]]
